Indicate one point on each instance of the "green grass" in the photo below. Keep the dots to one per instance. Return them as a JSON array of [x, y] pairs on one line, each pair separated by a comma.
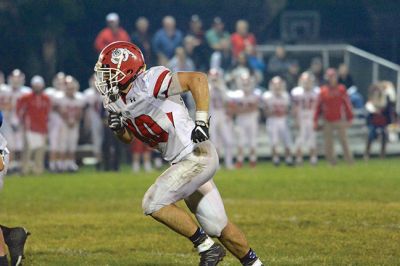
[[347, 215]]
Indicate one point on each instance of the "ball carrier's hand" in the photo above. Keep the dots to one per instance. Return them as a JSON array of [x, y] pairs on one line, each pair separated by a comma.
[[115, 122], [200, 131]]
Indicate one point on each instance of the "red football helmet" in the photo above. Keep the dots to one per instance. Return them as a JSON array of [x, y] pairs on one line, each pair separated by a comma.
[[119, 64]]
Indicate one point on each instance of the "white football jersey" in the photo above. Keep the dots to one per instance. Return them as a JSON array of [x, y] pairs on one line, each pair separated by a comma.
[[276, 105], [305, 102], [160, 120], [70, 108], [218, 96], [9, 98], [93, 101]]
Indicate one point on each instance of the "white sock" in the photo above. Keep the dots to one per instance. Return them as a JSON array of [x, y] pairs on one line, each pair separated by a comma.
[[135, 167], [314, 159], [257, 263], [205, 245], [147, 166]]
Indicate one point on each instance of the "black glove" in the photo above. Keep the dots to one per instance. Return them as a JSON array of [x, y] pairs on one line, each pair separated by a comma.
[[200, 132], [115, 122]]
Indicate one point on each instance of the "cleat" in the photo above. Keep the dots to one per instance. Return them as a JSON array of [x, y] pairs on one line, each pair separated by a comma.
[[239, 165], [16, 243], [212, 256]]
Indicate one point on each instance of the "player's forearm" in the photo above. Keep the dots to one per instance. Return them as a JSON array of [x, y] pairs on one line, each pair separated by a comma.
[[1, 163], [124, 135], [200, 92]]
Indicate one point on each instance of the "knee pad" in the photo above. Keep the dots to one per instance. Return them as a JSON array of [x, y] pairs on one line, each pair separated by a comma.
[[210, 213]]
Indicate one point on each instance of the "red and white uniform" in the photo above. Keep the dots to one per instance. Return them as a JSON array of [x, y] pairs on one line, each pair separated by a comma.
[[55, 120], [156, 118], [247, 119], [162, 121], [11, 129], [277, 106], [70, 110], [94, 104], [221, 126], [305, 103]]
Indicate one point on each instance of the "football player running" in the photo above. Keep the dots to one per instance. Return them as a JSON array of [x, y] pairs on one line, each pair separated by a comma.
[[15, 237], [305, 98], [147, 105]]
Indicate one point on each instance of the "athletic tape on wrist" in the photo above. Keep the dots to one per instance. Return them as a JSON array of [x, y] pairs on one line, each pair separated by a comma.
[[202, 116]]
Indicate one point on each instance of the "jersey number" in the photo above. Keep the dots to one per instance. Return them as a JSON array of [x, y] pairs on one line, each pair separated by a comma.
[[149, 131]]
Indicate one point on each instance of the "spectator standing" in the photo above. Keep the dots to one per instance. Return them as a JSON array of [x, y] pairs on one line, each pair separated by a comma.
[[292, 75], [255, 62], [317, 69], [112, 33], [217, 34], [242, 38], [180, 62], [336, 111], [33, 111], [222, 58], [141, 38], [241, 68], [278, 64], [201, 52], [166, 40], [344, 76], [379, 116]]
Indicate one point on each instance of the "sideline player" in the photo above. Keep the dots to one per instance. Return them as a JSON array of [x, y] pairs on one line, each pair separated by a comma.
[[12, 130], [221, 131], [276, 102], [55, 121], [15, 237], [71, 109], [147, 105], [247, 119], [93, 119], [305, 98]]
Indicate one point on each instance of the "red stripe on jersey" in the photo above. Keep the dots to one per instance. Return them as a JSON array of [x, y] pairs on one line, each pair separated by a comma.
[[171, 118], [159, 82]]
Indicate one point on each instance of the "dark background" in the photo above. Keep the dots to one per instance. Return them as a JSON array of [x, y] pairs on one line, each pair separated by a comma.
[[46, 36]]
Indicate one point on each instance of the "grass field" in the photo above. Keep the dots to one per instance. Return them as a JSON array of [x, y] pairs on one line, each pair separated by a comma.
[[347, 215]]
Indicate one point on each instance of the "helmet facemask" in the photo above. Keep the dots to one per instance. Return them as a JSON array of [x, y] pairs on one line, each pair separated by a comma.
[[107, 80]]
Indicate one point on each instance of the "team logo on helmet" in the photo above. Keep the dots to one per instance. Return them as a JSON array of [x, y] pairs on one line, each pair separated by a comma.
[[121, 54]]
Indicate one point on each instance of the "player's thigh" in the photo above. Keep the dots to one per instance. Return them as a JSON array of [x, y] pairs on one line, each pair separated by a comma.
[[206, 203], [253, 133], [73, 138], [182, 179], [273, 131]]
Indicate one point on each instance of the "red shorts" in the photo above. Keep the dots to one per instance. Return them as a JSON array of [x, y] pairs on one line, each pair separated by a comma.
[[139, 147]]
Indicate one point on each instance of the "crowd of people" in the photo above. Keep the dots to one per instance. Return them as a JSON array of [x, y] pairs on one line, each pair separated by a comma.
[[56, 118]]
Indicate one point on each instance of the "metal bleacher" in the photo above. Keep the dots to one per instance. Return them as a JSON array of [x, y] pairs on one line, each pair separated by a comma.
[[365, 68]]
